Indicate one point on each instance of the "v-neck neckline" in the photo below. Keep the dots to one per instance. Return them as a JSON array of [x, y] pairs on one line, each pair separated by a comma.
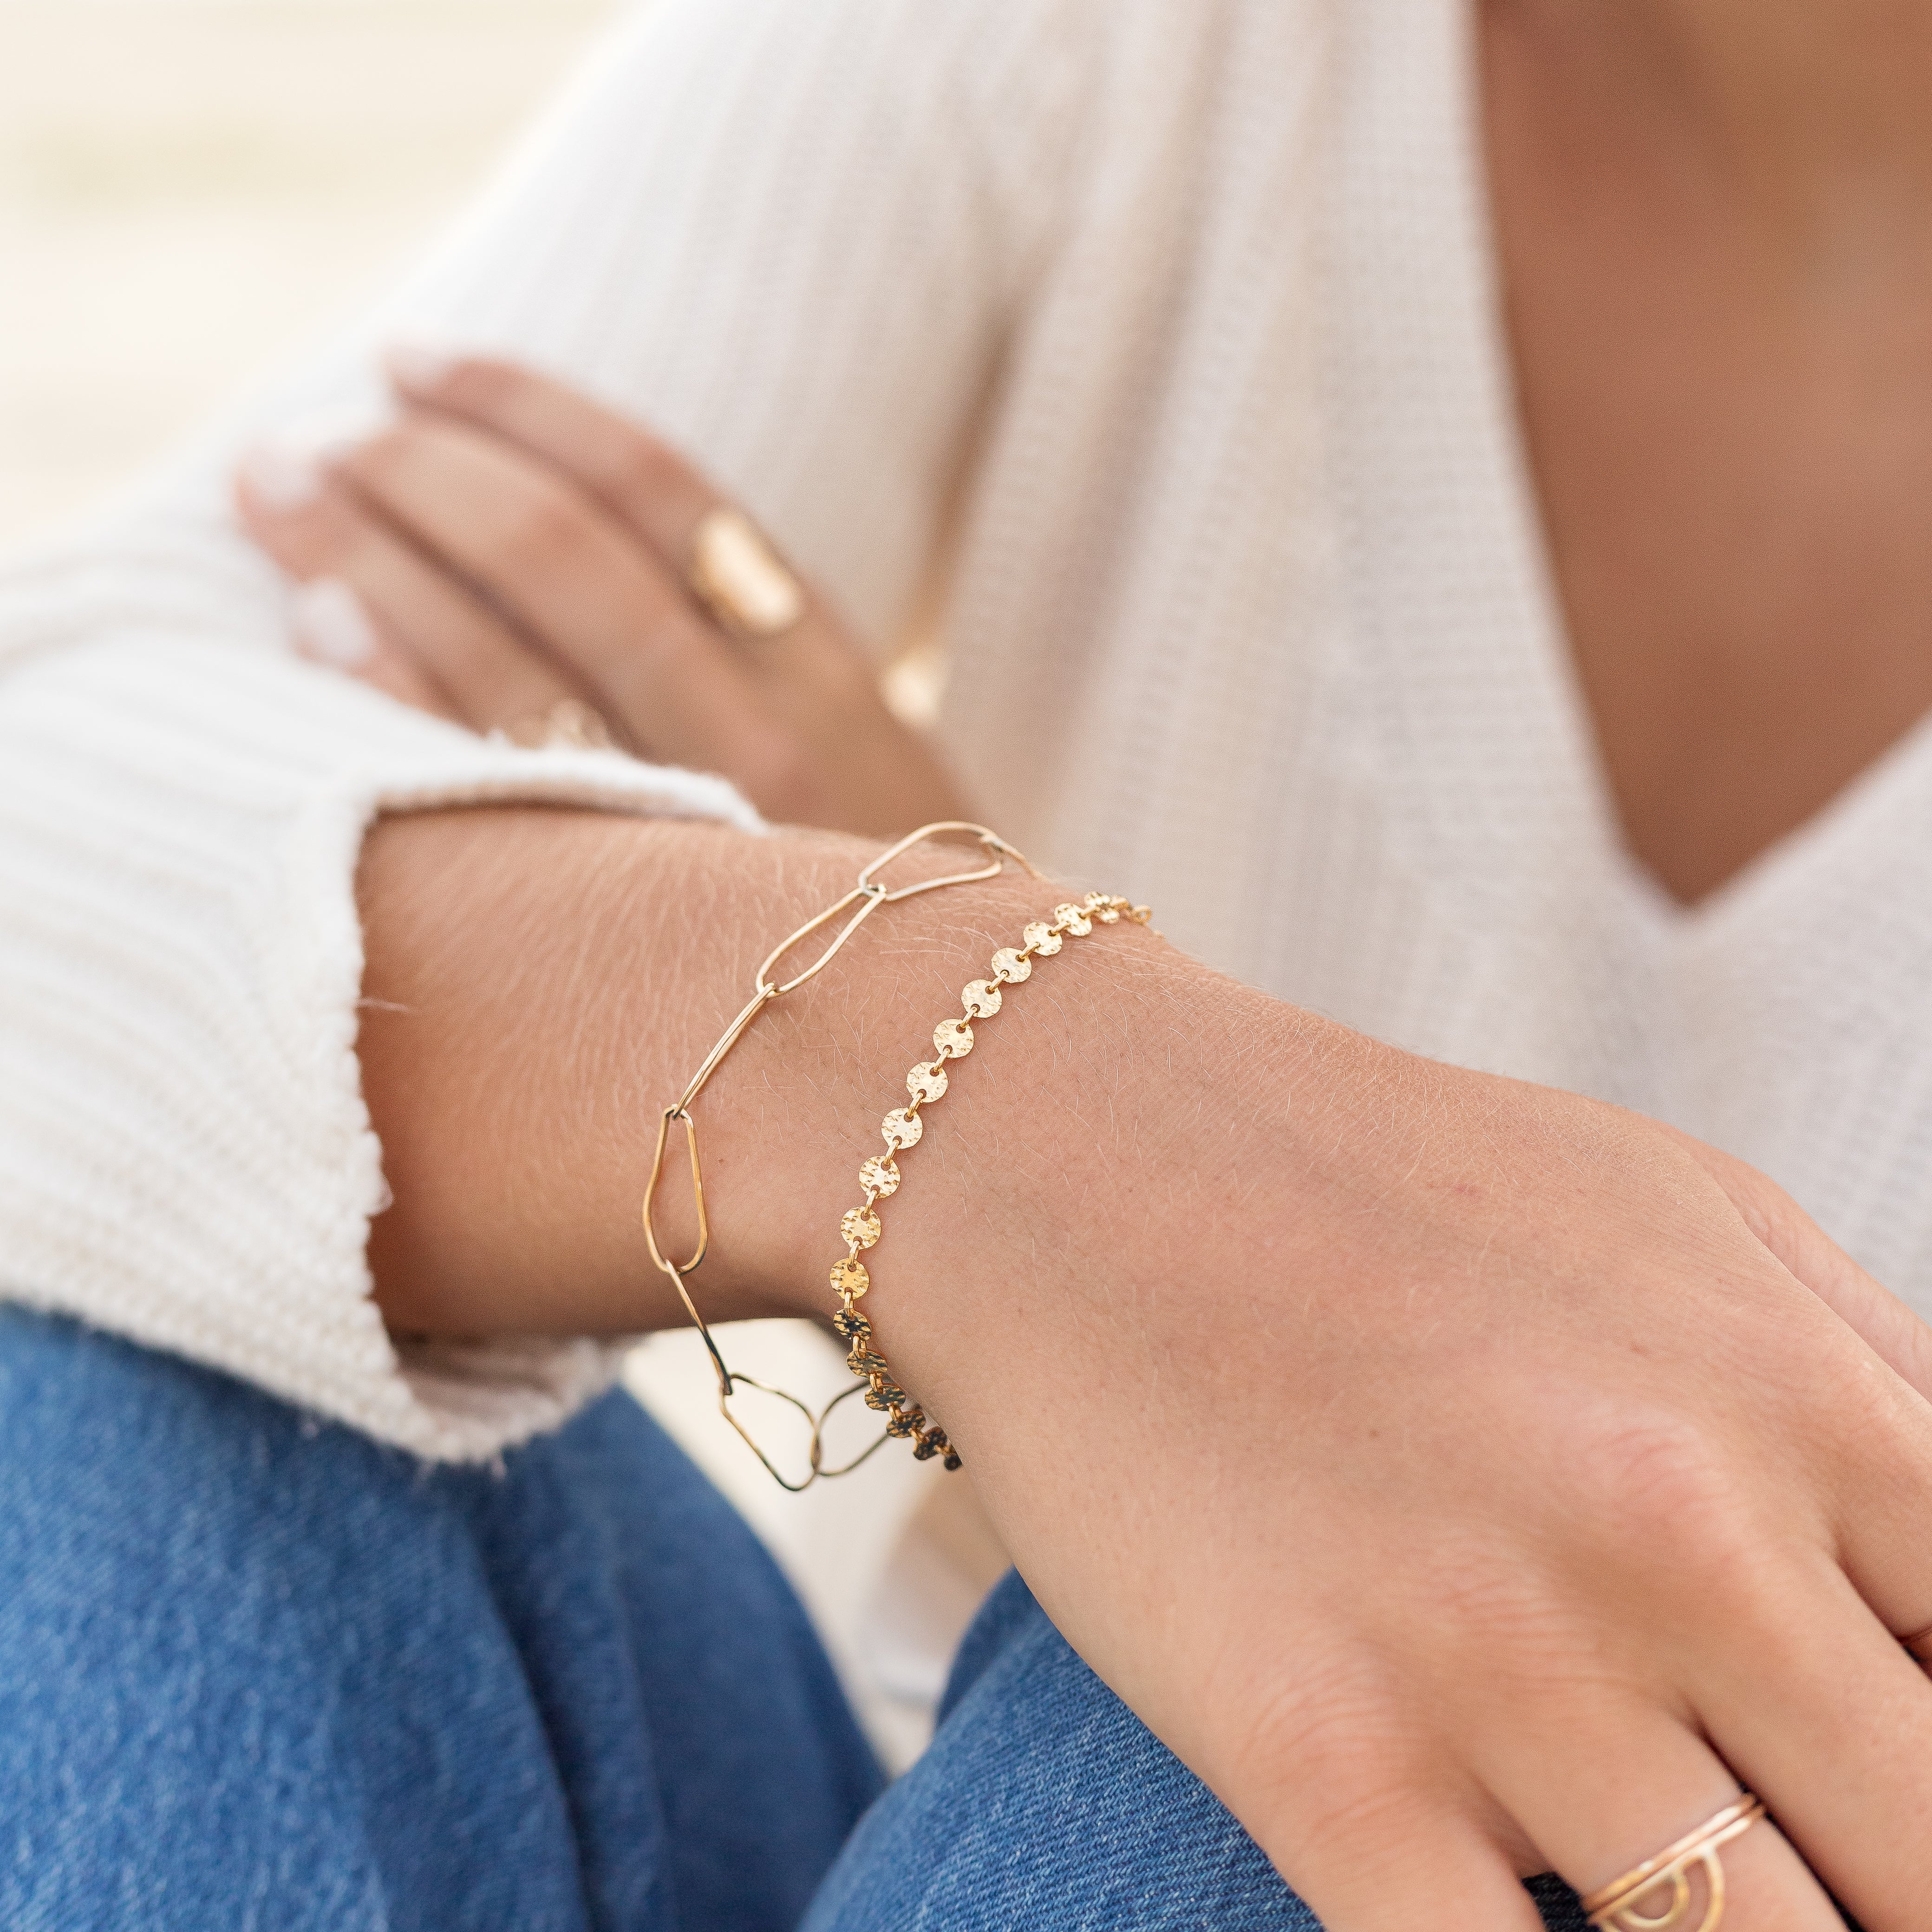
[[1420, 205]]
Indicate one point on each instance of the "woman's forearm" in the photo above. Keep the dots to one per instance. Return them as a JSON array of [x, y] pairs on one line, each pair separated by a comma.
[[540, 984]]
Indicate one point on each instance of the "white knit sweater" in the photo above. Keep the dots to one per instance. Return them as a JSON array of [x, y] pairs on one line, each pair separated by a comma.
[[1158, 336]]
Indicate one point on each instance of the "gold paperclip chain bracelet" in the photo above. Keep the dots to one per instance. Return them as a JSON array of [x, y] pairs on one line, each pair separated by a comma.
[[902, 1129], [864, 899]]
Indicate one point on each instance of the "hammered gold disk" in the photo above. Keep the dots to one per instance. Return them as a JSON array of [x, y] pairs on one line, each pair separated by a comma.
[[1011, 965], [981, 1000], [849, 1277], [880, 1176], [927, 1081], [1074, 918], [952, 1039], [860, 1224], [1043, 939], [902, 1128]]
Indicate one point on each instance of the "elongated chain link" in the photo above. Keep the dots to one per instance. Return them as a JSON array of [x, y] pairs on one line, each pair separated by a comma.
[[904, 1127], [857, 906]]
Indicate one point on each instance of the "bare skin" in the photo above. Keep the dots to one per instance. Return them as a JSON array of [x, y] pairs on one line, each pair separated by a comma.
[[1581, 1478], [1717, 265]]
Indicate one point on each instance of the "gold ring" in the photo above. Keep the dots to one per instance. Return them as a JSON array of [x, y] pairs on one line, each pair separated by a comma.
[[737, 576], [569, 724], [1615, 1908]]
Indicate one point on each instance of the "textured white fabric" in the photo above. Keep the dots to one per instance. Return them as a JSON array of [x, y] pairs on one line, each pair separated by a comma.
[[1154, 341]]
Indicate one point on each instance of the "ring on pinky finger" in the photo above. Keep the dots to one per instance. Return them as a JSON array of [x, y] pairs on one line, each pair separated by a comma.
[[569, 724]]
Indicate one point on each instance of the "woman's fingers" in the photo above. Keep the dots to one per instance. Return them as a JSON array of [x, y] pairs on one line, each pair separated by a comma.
[[1622, 1808], [423, 637], [654, 493], [646, 482], [1722, 1643], [1830, 1720], [1885, 1542], [1887, 1325], [569, 573], [542, 507], [1601, 1776], [1442, 1873]]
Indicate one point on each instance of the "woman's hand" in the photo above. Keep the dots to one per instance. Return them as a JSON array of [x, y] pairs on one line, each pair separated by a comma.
[[507, 545], [1464, 1477], [1467, 1479]]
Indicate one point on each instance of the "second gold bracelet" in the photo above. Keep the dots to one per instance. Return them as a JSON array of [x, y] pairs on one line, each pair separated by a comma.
[[904, 1128]]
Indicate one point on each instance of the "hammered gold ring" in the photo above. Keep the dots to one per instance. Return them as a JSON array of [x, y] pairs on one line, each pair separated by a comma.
[[1620, 1906], [739, 578]]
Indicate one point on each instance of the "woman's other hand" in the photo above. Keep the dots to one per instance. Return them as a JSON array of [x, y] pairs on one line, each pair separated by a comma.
[[507, 546]]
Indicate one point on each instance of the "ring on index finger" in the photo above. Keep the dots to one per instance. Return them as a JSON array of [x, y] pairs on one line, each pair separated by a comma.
[[739, 578]]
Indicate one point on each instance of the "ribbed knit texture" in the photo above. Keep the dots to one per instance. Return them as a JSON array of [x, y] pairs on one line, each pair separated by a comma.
[[1155, 339]]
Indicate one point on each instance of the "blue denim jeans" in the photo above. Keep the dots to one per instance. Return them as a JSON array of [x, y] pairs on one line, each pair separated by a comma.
[[1045, 1802], [256, 1673]]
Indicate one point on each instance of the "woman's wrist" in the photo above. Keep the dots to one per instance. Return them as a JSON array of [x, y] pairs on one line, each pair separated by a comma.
[[541, 984]]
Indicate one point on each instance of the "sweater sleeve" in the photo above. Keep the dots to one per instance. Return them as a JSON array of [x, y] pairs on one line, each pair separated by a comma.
[[791, 237]]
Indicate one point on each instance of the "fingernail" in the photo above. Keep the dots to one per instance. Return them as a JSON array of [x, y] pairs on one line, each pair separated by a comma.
[[330, 624], [287, 467], [284, 476], [416, 362]]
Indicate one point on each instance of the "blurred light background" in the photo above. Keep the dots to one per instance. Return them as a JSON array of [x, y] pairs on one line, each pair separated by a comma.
[[190, 189]]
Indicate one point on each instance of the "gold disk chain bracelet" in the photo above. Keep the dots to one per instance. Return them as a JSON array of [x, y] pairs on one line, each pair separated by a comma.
[[904, 1128]]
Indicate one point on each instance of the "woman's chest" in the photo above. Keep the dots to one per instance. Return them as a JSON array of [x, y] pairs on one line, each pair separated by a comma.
[[1726, 397]]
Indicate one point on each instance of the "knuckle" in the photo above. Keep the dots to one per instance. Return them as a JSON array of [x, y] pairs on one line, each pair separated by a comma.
[[544, 528], [1664, 1486], [1341, 1750], [1493, 1599], [1332, 1711], [1356, 1812]]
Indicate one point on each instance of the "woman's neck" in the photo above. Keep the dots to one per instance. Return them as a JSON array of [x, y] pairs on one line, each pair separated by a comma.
[[1809, 118]]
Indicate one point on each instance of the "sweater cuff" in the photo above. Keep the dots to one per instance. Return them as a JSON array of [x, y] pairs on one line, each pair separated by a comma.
[[185, 1155]]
